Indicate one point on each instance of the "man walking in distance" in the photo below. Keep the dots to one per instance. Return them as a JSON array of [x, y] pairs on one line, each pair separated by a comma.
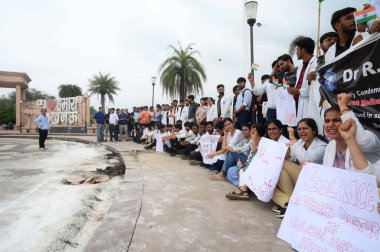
[[99, 119], [43, 128], [114, 119]]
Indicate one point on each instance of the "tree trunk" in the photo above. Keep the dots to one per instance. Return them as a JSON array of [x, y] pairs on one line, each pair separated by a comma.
[[182, 88], [102, 101]]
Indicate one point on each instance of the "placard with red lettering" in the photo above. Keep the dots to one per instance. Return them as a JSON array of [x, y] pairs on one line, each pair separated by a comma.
[[332, 209], [264, 170]]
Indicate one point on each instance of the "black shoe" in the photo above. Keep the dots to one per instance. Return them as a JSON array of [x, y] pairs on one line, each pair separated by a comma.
[[276, 209], [282, 213]]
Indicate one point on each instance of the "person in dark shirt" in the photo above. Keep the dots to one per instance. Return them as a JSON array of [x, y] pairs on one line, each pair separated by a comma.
[[123, 124], [99, 119], [192, 108]]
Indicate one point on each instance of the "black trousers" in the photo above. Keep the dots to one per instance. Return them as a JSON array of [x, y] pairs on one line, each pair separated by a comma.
[[43, 136]]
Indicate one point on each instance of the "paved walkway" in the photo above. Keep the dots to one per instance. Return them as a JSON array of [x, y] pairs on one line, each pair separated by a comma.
[[181, 210]]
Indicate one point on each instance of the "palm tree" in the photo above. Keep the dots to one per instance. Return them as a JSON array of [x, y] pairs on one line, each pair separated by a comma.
[[69, 90], [182, 73], [103, 85]]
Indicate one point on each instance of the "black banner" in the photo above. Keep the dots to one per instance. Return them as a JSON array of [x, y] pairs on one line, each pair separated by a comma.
[[358, 74]]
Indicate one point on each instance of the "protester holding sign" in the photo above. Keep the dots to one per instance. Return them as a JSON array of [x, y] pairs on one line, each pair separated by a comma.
[[242, 192], [236, 153], [310, 147], [352, 147], [232, 137]]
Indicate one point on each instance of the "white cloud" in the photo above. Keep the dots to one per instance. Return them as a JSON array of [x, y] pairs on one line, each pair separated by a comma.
[[68, 41]]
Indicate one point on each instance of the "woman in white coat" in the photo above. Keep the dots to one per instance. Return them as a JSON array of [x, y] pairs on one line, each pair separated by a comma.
[[351, 148], [309, 148], [211, 112]]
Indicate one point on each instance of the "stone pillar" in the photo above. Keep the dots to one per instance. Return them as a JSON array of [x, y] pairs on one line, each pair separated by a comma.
[[88, 116], [23, 94], [18, 106]]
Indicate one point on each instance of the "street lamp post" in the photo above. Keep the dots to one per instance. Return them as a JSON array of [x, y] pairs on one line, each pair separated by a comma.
[[251, 12], [153, 83]]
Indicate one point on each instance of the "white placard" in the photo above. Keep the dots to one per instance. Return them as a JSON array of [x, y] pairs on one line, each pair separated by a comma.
[[332, 209], [264, 170], [285, 107], [159, 143], [208, 144]]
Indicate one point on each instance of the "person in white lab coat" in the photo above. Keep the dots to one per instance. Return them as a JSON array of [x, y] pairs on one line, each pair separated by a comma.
[[223, 104], [304, 48], [211, 112]]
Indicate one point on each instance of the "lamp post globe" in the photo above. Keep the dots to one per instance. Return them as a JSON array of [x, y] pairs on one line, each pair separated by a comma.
[[153, 83]]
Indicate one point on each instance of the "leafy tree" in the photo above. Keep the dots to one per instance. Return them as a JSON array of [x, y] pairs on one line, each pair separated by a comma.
[[69, 90], [182, 73], [103, 86]]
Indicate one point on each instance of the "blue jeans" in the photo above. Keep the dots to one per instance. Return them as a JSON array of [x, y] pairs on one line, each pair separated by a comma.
[[231, 160], [233, 176], [243, 118], [99, 132], [271, 114]]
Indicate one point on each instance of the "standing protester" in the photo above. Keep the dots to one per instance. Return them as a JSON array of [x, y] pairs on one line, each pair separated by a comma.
[[211, 110], [165, 115], [173, 112], [123, 124], [99, 119], [236, 91], [201, 113], [43, 127], [180, 110], [243, 103], [268, 88], [184, 113], [304, 48], [157, 115], [223, 104], [192, 108], [260, 100], [145, 116], [114, 119], [151, 112], [106, 125], [117, 131]]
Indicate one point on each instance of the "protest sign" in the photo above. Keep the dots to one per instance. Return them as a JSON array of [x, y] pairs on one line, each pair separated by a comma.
[[264, 170], [208, 145], [159, 143], [332, 209], [356, 72], [285, 107]]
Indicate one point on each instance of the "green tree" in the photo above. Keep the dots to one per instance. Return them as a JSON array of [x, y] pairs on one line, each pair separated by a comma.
[[182, 73], [103, 86], [69, 90]]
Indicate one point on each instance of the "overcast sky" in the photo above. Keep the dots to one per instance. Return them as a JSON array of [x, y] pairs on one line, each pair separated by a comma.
[[68, 41]]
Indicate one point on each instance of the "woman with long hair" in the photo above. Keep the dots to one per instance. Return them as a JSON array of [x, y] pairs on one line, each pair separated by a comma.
[[201, 113]]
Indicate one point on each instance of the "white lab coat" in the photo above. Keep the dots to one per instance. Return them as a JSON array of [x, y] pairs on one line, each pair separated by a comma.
[[313, 154], [211, 113], [369, 144], [303, 100], [225, 106]]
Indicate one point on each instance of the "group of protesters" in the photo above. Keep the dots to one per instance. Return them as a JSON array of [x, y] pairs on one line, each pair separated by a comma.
[[325, 133]]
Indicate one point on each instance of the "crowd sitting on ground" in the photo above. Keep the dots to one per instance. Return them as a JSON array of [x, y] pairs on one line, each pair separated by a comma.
[[325, 134]]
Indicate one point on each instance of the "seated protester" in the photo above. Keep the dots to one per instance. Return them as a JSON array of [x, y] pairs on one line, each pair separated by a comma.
[[196, 154], [147, 135], [186, 131], [168, 131], [242, 192], [231, 138], [217, 166], [238, 152], [309, 148], [173, 138], [190, 143], [274, 132], [158, 129], [351, 148]]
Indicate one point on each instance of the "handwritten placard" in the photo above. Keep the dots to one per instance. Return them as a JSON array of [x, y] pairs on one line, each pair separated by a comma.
[[332, 209], [208, 144], [159, 143], [285, 107], [264, 170]]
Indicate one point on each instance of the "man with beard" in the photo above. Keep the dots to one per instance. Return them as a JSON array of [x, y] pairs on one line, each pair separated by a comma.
[[223, 104], [287, 69]]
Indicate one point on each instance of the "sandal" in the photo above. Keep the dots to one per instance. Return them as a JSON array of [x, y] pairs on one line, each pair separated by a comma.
[[217, 178], [241, 195]]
